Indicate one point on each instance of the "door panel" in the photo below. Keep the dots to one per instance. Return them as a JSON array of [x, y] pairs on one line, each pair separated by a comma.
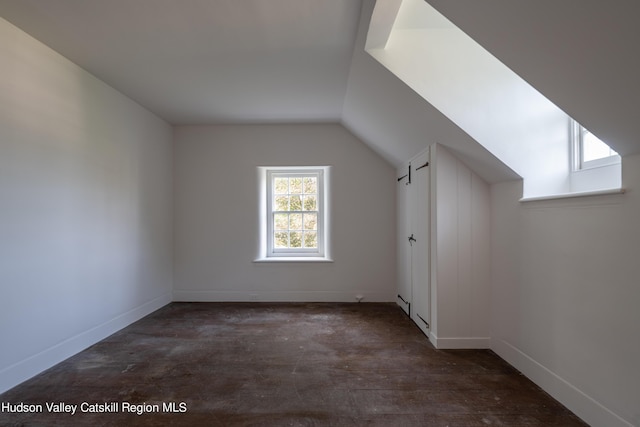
[[420, 273], [403, 248]]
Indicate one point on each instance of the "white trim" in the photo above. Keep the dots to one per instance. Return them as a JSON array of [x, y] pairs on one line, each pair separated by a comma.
[[282, 296], [266, 253], [566, 393], [293, 259], [601, 162], [27, 368], [459, 343], [575, 148], [288, 172], [577, 194]]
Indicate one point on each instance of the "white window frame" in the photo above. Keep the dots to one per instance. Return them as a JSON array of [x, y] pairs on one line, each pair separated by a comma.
[[577, 151], [267, 251]]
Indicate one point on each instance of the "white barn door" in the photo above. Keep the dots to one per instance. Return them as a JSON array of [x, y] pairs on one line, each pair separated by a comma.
[[404, 225], [420, 243], [414, 240]]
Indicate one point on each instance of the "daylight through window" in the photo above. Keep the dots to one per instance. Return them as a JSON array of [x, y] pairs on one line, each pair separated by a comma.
[[295, 212], [590, 151]]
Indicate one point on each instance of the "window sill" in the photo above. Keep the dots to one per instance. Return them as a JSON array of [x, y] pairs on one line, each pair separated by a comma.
[[293, 259], [576, 194]]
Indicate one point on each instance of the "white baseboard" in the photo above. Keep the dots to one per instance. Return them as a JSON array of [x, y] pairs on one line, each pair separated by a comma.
[[578, 402], [280, 296], [459, 343], [25, 369]]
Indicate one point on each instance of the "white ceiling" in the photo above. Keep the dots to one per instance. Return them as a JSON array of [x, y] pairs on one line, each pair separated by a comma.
[[286, 61], [207, 61]]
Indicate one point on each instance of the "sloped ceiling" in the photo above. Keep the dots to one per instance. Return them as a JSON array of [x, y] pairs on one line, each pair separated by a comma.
[[398, 123], [207, 61], [286, 61], [581, 54]]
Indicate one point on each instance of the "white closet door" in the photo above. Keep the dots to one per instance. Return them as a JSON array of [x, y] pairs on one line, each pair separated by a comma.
[[421, 305], [403, 200]]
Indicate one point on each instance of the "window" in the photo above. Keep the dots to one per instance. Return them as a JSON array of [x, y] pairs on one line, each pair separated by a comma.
[[589, 150], [295, 219]]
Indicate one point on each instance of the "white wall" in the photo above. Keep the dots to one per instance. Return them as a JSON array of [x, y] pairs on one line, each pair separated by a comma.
[[216, 215], [85, 215], [461, 262], [566, 288]]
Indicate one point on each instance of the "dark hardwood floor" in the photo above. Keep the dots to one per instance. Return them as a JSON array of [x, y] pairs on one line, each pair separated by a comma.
[[289, 364]]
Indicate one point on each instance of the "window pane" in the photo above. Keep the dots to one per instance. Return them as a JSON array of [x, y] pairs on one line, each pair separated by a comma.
[[310, 185], [593, 148], [310, 203], [295, 185], [310, 240], [281, 221], [281, 240], [295, 222], [295, 239], [295, 198], [310, 221], [296, 203], [282, 203], [281, 185]]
